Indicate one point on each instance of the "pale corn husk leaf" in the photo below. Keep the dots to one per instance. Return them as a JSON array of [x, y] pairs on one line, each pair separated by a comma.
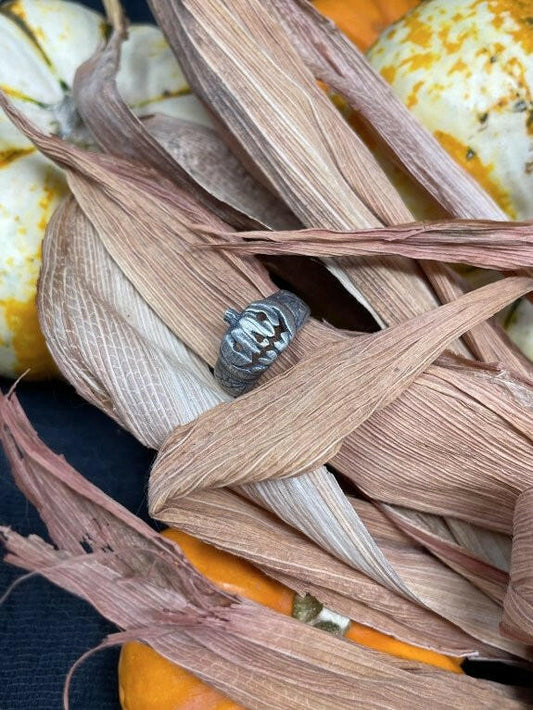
[[149, 382], [486, 545], [208, 160], [328, 519], [180, 149], [517, 620], [238, 527], [299, 420], [254, 655], [119, 131], [506, 246], [263, 92], [491, 580], [98, 326], [333, 58], [479, 476]]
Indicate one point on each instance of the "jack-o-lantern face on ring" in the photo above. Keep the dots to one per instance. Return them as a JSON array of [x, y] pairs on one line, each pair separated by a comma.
[[256, 337]]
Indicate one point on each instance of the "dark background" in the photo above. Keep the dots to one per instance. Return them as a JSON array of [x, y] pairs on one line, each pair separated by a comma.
[[43, 630]]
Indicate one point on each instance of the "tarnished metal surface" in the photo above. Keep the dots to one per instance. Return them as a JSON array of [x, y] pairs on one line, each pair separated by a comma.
[[255, 338]]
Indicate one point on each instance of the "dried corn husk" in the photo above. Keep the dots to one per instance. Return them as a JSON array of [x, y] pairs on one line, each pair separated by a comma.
[[209, 161], [142, 239], [320, 158], [127, 234], [341, 532], [238, 527], [119, 131], [300, 419], [518, 613], [479, 475], [506, 246], [256, 656], [149, 382], [310, 169], [127, 203], [484, 575], [313, 158], [332, 57]]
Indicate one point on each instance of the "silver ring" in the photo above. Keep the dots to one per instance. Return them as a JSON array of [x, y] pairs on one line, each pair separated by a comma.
[[255, 338]]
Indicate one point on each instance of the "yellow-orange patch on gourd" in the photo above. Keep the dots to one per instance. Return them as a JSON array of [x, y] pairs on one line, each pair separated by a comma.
[[465, 69]]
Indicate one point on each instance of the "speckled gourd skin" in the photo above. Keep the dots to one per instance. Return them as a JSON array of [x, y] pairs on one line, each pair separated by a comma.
[[465, 69]]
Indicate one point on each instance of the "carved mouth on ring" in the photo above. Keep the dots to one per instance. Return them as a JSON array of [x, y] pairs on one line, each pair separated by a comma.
[[264, 352], [277, 342]]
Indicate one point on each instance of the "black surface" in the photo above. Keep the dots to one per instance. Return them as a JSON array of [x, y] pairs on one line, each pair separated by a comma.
[[42, 629], [518, 674], [137, 10]]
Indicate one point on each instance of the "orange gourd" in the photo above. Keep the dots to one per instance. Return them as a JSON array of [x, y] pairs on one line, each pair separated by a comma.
[[364, 20], [147, 681]]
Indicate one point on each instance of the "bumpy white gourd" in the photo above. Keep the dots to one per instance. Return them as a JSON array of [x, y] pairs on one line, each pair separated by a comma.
[[465, 69]]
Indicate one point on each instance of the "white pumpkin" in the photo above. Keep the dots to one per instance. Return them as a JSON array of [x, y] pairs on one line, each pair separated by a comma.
[[42, 43], [465, 69]]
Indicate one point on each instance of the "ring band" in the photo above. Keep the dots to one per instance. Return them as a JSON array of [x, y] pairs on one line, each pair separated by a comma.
[[255, 338]]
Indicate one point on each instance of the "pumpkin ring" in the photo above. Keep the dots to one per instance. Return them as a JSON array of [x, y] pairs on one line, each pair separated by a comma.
[[255, 338]]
